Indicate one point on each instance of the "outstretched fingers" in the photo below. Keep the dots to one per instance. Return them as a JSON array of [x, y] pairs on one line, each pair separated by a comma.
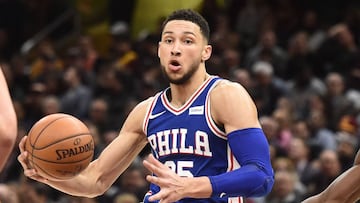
[[155, 166], [171, 185]]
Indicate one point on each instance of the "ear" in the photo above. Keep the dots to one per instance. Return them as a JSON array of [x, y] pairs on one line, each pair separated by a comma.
[[206, 53], [159, 44]]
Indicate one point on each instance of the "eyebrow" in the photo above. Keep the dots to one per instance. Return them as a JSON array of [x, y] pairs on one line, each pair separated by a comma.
[[186, 32]]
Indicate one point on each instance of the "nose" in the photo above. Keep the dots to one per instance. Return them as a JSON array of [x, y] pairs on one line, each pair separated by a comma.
[[175, 50], [175, 53]]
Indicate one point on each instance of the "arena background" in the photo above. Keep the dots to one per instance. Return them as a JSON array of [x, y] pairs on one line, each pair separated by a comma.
[[299, 60]]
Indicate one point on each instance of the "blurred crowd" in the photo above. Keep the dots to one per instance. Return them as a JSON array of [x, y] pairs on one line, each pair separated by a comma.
[[299, 60]]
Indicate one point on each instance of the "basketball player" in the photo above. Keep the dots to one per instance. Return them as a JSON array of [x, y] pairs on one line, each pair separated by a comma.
[[344, 188], [206, 140], [8, 122]]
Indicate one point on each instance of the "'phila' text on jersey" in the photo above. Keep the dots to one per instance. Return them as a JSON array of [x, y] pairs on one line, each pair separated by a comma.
[[174, 141]]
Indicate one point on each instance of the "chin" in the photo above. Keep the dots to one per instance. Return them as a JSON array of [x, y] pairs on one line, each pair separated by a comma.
[[177, 80]]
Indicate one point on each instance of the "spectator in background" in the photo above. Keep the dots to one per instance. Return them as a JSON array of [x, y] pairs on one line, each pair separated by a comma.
[[88, 53], [46, 62], [232, 61], [349, 124], [321, 138], [271, 129], [300, 155], [286, 164], [337, 104], [99, 114], [147, 52], [299, 55], [315, 32], [124, 56], [50, 105], [267, 87], [268, 50], [329, 169], [114, 87], [300, 129], [285, 190], [84, 56], [243, 77], [301, 88], [248, 22], [285, 119], [339, 52], [223, 37], [346, 149], [77, 97], [151, 80]]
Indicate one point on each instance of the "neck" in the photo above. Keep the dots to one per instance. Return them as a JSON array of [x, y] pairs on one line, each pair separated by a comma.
[[180, 94]]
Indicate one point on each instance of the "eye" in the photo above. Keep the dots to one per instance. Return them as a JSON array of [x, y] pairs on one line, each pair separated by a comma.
[[168, 41], [188, 41]]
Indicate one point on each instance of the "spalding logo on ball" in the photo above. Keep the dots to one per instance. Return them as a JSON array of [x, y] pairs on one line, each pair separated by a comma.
[[78, 149], [60, 146]]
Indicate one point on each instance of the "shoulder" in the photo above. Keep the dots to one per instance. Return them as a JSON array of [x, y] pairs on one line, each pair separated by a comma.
[[232, 106], [138, 113], [135, 119], [228, 90], [142, 106]]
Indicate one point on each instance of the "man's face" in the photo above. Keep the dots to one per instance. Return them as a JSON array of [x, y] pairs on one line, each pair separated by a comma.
[[182, 50]]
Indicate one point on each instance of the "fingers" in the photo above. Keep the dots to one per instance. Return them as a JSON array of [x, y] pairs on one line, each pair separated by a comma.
[[149, 166], [164, 196], [153, 179], [151, 160], [28, 170], [155, 166], [23, 159], [157, 196], [22, 144], [154, 161]]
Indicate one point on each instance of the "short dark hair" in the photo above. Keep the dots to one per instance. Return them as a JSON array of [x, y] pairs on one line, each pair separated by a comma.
[[192, 16]]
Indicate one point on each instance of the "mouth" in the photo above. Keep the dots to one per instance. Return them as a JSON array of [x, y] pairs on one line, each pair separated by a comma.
[[174, 65]]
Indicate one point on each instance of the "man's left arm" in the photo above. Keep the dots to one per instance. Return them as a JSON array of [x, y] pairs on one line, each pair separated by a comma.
[[233, 108]]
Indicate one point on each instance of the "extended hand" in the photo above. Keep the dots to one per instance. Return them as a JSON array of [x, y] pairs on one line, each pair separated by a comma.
[[172, 186]]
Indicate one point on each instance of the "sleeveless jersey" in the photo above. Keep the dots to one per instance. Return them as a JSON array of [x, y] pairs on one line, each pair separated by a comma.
[[187, 140]]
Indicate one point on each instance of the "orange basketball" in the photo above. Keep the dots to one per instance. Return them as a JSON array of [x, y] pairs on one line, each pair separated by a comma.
[[60, 146]]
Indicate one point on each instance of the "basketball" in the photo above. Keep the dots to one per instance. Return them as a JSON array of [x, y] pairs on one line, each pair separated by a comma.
[[60, 146]]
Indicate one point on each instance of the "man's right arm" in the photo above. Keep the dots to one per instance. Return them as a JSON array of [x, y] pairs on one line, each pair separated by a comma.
[[102, 172]]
